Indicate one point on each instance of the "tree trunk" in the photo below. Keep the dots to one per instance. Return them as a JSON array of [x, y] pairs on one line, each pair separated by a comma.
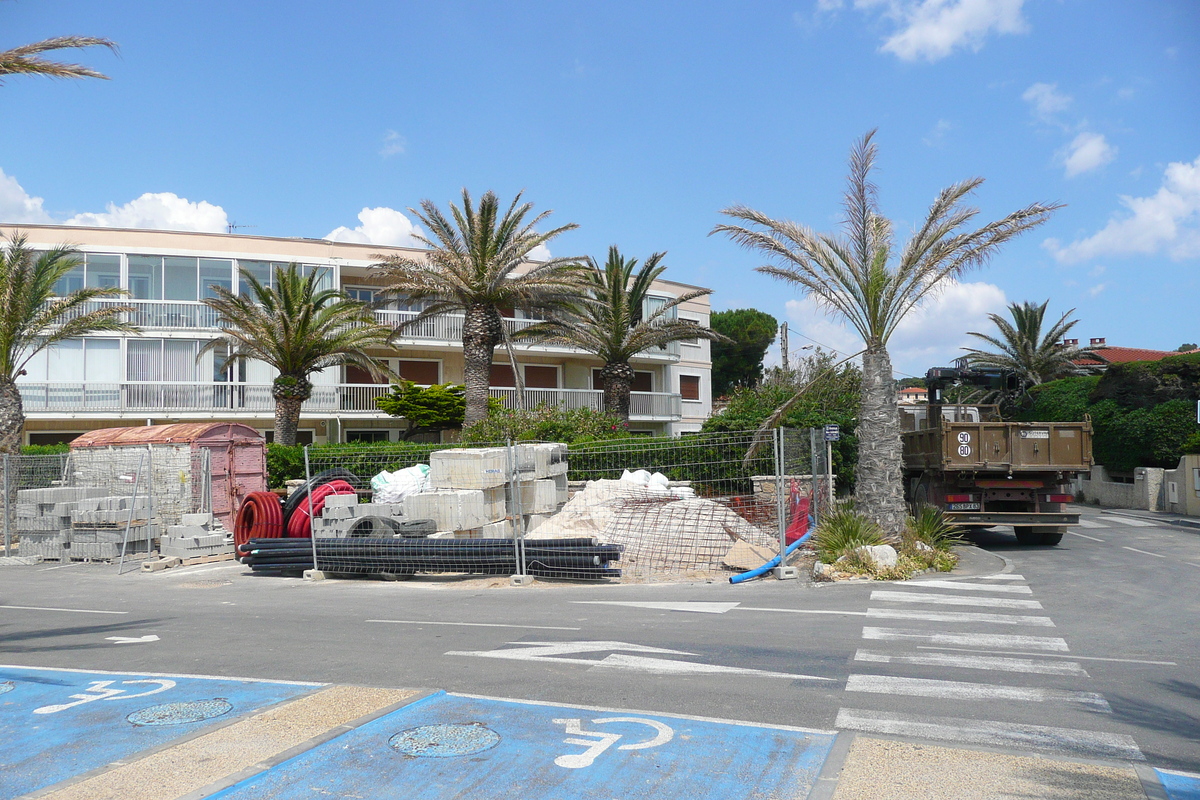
[[12, 417], [618, 380], [290, 392], [481, 334], [879, 489]]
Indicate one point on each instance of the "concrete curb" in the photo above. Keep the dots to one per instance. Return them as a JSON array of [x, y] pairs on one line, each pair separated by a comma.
[[827, 782], [1178, 522]]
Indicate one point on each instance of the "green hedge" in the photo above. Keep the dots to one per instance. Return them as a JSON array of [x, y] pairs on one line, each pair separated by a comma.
[[45, 449]]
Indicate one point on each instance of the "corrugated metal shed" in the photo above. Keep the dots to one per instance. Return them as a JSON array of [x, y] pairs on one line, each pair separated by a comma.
[[178, 433]]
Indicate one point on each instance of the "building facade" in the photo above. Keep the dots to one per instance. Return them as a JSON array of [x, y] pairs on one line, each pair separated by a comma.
[[160, 377]]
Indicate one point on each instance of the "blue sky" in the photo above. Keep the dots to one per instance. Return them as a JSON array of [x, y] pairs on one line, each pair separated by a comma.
[[639, 122]]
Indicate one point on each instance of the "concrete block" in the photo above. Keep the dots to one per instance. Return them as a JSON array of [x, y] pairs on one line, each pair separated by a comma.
[[521, 580], [26, 509], [46, 545], [378, 510], [450, 509], [191, 548], [560, 488], [538, 497], [543, 460], [186, 531], [334, 500], [468, 468], [203, 520], [314, 575], [159, 564], [110, 535], [337, 512], [532, 521], [65, 509]]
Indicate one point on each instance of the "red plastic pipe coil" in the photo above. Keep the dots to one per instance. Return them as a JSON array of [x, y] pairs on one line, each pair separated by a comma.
[[259, 517], [300, 525]]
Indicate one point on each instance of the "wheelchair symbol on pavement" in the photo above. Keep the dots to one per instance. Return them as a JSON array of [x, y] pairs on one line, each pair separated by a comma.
[[602, 741]]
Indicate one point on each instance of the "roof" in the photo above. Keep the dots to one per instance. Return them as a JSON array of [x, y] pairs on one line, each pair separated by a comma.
[[1123, 355], [179, 433], [914, 390]]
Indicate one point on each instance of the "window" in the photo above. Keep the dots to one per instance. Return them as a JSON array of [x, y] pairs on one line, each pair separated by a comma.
[[145, 277], [642, 381], [689, 387], [366, 436], [261, 271], [358, 375], [501, 375], [541, 377], [76, 360], [302, 437], [94, 270], [165, 360], [180, 280], [215, 272], [53, 437], [359, 294], [425, 373], [693, 342]]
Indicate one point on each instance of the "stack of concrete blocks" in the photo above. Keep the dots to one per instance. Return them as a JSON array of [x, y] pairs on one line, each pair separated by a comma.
[[43, 519], [98, 527], [469, 499], [342, 510], [162, 470], [197, 535], [543, 481]]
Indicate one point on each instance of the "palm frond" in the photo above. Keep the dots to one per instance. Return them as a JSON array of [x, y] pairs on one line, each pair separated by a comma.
[[26, 60]]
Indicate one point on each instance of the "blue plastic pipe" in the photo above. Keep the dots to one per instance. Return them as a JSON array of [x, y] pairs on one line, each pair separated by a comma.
[[774, 562]]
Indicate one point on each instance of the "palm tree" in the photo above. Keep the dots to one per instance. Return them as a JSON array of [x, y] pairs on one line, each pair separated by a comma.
[[611, 322], [859, 277], [33, 317], [25, 60], [471, 267], [298, 329], [1022, 348]]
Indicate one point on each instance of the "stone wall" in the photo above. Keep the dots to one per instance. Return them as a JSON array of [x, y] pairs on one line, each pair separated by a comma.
[[1144, 493]]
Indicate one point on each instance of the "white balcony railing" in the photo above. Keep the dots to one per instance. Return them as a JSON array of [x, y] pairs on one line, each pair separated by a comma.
[[156, 398]]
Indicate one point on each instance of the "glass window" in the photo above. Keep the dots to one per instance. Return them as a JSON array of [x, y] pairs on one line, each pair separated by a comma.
[[162, 359], [261, 270], [361, 295], [102, 360], [425, 373], [215, 272], [103, 271], [689, 387], [64, 360], [180, 282], [324, 275], [145, 277], [366, 436], [70, 282]]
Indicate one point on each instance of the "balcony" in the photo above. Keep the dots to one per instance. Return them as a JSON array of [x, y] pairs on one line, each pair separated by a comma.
[[141, 399], [445, 329]]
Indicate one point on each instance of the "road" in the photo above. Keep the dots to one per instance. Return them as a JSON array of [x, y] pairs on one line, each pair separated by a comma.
[[1105, 665]]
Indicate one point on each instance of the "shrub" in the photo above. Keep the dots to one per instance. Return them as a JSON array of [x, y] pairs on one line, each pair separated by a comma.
[[45, 449], [1191, 445], [930, 526], [546, 424], [842, 531]]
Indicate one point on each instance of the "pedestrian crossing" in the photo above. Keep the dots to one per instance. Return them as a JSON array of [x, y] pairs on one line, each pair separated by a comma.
[[990, 656], [1113, 520]]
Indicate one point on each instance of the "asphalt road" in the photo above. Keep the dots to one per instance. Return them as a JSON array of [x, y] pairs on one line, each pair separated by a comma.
[[1110, 658]]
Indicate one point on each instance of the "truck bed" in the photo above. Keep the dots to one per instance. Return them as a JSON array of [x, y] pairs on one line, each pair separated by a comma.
[[1009, 447]]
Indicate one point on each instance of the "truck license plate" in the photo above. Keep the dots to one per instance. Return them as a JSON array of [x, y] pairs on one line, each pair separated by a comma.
[[963, 506]]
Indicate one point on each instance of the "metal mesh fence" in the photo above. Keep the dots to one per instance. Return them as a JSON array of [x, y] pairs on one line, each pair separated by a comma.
[[639, 508]]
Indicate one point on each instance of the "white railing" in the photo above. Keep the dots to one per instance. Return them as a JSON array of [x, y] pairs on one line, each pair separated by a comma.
[[655, 405], [155, 313], [642, 405]]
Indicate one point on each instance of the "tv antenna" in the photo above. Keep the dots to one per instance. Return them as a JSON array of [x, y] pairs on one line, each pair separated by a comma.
[[233, 226]]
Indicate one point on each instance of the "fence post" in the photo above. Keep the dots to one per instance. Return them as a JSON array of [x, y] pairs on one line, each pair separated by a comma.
[[312, 531], [8, 510]]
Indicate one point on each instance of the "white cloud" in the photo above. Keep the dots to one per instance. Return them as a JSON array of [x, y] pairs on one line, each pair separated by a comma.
[[393, 144], [933, 29], [931, 335], [540, 253], [385, 226], [17, 205], [935, 137], [158, 211], [1167, 221], [1097, 289], [1046, 100], [1086, 152]]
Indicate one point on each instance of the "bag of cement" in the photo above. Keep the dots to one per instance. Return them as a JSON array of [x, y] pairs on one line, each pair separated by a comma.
[[400, 484]]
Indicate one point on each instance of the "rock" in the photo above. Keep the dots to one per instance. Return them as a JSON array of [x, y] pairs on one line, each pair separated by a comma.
[[882, 555], [823, 571], [921, 547]]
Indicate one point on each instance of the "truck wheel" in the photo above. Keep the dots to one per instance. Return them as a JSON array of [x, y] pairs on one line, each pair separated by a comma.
[[1049, 536], [1027, 536]]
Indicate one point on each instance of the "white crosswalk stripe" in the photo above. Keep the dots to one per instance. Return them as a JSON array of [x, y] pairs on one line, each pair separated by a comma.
[[1089, 523], [997, 663], [1067, 741], [965, 690], [1131, 521], [959, 616], [961, 586], [933, 598], [920, 646]]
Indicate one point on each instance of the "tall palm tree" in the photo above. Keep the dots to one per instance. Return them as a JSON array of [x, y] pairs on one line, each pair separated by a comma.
[[33, 317], [1024, 350], [861, 278], [611, 322], [471, 267], [26, 59], [298, 329]]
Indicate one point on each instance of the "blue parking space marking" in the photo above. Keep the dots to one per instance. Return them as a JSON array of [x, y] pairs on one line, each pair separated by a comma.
[[452, 746], [56, 724], [1180, 785]]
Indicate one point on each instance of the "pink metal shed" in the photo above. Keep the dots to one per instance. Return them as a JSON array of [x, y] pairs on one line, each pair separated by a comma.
[[237, 458]]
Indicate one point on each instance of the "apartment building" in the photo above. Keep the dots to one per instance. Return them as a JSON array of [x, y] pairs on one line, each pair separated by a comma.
[[160, 377]]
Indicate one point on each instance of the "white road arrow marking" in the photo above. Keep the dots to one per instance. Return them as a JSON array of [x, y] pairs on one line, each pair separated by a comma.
[[702, 608], [553, 652], [131, 639]]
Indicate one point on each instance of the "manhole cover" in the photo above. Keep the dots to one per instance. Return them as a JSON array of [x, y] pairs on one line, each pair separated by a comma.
[[6, 686], [445, 741], [180, 713]]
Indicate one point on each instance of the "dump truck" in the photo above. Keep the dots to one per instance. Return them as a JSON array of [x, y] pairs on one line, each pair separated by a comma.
[[985, 472]]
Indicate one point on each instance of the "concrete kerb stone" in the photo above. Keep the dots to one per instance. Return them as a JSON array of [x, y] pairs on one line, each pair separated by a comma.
[[1157, 516]]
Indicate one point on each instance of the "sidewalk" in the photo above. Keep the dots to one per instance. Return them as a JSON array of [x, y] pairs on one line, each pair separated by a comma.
[[1160, 517]]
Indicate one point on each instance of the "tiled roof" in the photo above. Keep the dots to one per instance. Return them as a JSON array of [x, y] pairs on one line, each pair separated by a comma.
[[1123, 355]]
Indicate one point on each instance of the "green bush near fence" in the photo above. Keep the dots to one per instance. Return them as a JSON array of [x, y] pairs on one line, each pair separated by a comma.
[[45, 449], [712, 462]]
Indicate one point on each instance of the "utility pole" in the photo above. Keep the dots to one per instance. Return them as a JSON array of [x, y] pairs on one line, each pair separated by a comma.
[[783, 348]]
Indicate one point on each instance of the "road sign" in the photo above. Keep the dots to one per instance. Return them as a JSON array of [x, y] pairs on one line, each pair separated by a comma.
[[833, 433]]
